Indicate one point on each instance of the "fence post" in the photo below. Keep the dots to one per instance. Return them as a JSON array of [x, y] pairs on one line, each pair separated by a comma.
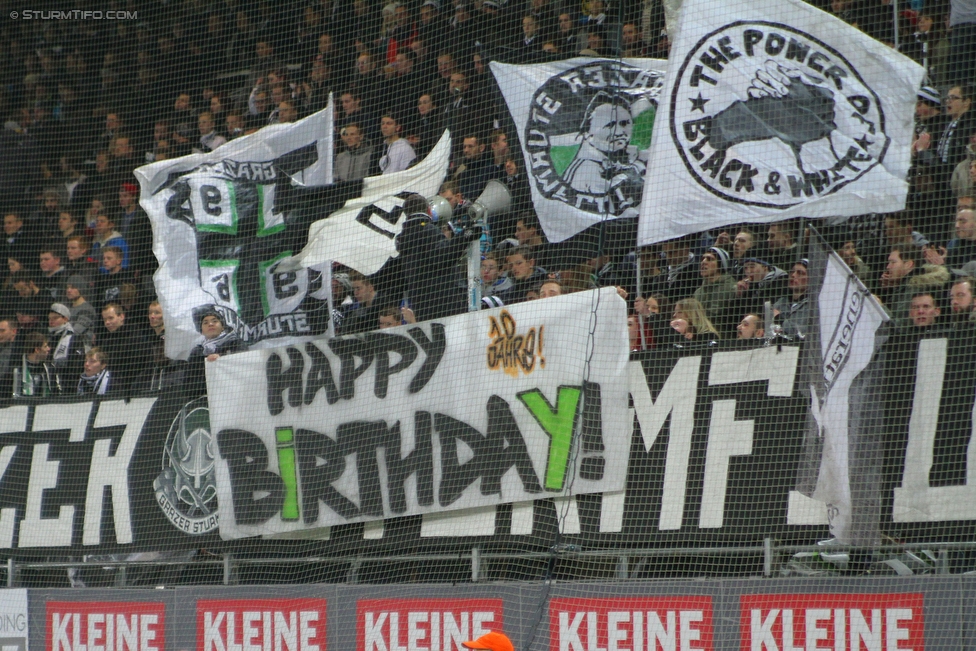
[[230, 570], [767, 556], [11, 573], [623, 570], [352, 575], [475, 564]]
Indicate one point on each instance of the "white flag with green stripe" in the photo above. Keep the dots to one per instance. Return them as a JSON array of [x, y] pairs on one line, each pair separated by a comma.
[[221, 229], [585, 127]]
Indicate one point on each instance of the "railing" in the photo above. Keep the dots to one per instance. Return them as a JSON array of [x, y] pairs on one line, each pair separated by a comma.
[[767, 560]]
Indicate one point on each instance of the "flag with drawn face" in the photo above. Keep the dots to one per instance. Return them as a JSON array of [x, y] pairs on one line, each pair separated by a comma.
[[772, 110], [585, 127]]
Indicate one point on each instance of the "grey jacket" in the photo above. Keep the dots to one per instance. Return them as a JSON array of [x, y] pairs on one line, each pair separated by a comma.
[[352, 165]]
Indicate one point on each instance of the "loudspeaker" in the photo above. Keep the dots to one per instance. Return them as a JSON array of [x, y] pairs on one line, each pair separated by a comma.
[[440, 209], [494, 200]]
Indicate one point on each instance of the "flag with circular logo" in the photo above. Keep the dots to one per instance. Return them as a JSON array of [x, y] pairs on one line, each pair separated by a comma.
[[775, 110], [585, 128]]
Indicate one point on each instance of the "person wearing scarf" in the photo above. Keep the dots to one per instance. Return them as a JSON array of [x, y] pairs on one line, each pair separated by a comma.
[[218, 340], [38, 377], [96, 380]]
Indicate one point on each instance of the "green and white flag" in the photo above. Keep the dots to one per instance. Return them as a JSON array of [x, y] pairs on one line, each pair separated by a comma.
[[221, 228], [585, 128]]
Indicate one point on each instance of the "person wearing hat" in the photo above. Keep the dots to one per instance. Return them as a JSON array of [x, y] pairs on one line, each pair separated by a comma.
[[218, 339], [928, 112], [432, 27], [718, 291], [493, 641], [430, 262], [68, 354], [761, 282]]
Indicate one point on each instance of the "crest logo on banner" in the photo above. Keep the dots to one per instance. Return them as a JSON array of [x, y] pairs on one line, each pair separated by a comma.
[[585, 127], [186, 490], [750, 83]]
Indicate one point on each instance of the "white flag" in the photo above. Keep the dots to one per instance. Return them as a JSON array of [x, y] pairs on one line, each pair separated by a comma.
[[585, 127], [219, 233], [775, 109], [843, 375], [361, 234]]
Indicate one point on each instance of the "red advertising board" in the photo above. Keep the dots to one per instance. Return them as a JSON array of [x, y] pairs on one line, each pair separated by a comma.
[[631, 624], [261, 624], [424, 624], [832, 622], [105, 626]]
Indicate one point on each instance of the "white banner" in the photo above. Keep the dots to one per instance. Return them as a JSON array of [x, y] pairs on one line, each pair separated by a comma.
[[774, 109], [219, 235], [585, 127], [506, 405], [14, 622], [362, 233]]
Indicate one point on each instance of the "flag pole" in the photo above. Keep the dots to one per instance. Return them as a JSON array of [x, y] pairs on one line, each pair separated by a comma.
[[894, 21]]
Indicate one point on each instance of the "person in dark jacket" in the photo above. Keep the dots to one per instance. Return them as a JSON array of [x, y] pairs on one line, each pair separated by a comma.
[[38, 376], [433, 284], [68, 351], [120, 342], [761, 282], [523, 273]]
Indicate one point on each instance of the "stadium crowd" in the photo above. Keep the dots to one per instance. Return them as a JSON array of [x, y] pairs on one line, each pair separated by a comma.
[[86, 102]]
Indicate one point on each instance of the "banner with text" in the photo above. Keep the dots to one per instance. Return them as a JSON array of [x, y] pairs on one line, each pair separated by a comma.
[[104, 477], [383, 624], [14, 620], [475, 410], [772, 110]]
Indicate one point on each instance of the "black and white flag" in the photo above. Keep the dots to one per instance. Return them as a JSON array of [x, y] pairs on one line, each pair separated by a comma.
[[585, 128], [221, 228], [774, 109], [842, 370], [362, 233]]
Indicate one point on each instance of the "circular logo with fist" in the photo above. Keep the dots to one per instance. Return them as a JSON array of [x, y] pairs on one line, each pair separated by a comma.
[[766, 115]]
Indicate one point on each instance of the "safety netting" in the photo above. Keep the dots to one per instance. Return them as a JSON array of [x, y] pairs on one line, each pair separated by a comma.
[[504, 291]]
